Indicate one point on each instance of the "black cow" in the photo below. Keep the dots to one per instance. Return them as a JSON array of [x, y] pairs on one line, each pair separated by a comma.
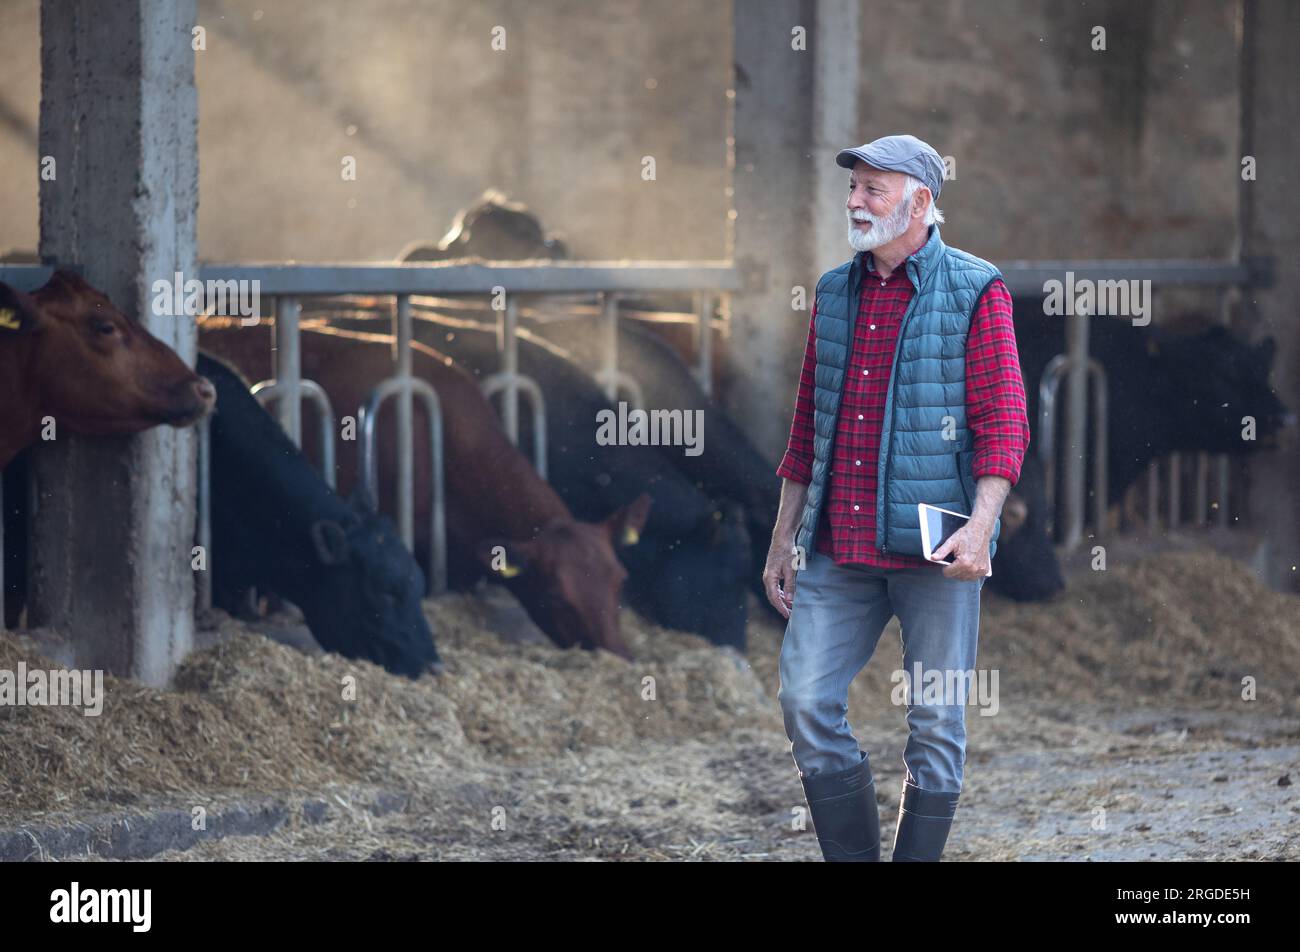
[[277, 527], [692, 566]]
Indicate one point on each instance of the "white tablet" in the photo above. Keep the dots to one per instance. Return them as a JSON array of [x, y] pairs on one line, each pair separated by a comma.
[[936, 526]]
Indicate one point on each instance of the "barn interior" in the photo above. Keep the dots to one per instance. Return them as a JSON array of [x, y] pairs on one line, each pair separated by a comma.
[[651, 187]]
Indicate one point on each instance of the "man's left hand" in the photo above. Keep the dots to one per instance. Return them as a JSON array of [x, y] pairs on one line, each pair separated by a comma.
[[970, 545]]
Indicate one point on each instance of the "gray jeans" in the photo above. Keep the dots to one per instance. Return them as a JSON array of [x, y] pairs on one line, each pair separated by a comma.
[[839, 612]]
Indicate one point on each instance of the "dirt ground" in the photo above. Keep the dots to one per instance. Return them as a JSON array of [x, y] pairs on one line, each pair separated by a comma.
[[1121, 733]]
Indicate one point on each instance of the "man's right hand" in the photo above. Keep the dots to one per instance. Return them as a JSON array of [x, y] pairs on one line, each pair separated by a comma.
[[779, 576]]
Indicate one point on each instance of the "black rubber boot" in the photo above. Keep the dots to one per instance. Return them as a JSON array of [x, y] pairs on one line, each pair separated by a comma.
[[844, 814], [924, 819]]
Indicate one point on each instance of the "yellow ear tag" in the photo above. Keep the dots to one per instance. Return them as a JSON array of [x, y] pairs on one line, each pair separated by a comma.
[[630, 535], [509, 571], [8, 320]]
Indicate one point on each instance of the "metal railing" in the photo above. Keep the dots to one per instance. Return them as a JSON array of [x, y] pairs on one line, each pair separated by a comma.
[[1078, 369], [405, 388], [271, 391], [1056, 368]]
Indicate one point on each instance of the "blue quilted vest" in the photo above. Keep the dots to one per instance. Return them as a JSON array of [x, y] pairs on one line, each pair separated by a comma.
[[925, 447]]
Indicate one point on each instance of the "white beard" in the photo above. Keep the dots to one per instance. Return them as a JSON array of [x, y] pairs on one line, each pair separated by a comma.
[[883, 230]]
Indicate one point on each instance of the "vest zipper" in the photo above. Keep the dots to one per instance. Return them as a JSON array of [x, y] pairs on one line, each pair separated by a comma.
[[893, 413]]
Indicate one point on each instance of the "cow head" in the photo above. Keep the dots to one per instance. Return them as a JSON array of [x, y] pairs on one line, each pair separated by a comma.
[[370, 594], [569, 577], [1219, 379], [93, 369]]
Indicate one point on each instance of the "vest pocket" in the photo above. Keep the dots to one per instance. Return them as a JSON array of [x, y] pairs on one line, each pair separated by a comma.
[[961, 478]]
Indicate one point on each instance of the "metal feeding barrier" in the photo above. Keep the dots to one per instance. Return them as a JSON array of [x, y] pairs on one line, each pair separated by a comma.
[[406, 387], [1056, 368], [1078, 370], [286, 284]]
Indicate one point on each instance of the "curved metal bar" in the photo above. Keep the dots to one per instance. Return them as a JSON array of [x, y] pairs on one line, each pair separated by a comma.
[[537, 404], [368, 471], [269, 391], [1048, 386]]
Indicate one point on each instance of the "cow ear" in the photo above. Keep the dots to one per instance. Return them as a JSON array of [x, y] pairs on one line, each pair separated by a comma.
[[18, 311], [330, 540], [68, 282], [625, 525], [503, 557]]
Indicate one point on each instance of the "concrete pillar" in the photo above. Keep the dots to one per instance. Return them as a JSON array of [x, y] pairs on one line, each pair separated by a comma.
[[1271, 133], [835, 126], [114, 519], [774, 184]]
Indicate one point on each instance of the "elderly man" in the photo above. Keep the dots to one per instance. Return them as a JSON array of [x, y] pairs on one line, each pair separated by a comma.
[[910, 393]]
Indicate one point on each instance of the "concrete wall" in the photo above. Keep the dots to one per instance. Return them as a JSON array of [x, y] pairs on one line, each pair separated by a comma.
[[1060, 150]]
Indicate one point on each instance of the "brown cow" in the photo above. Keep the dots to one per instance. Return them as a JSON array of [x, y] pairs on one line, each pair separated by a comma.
[[565, 572], [67, 353]]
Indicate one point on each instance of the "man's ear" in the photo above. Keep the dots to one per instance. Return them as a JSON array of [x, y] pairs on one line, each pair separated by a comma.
[[19, 313], [330, 540]]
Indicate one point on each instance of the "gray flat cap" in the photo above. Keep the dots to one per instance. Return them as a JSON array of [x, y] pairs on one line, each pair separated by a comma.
[[899, 154]]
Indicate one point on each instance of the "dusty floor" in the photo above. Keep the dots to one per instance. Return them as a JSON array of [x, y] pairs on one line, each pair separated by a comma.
[[1121, 733]]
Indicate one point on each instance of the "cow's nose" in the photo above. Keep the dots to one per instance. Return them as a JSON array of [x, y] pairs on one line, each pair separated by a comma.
[[206, 393]]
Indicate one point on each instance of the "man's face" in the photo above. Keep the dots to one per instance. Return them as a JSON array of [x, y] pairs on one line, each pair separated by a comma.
[[876, 211]]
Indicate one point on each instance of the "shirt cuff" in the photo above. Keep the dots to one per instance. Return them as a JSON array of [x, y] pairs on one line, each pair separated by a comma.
[[997, 463], [795, 468]]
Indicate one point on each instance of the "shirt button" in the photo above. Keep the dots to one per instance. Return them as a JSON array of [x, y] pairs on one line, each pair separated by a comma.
[[857, 462], [873, 327], [856, 508], [859, 416]]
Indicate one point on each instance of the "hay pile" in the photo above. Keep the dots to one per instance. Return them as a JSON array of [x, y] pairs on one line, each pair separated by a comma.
[[253, 715], [1185, 627]]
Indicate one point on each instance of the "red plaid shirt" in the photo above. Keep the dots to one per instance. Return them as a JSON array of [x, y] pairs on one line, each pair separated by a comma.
[[995, 412]]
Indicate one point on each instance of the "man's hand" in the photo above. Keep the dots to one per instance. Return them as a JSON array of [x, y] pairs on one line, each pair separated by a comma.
[[779, 575], [970, 546]]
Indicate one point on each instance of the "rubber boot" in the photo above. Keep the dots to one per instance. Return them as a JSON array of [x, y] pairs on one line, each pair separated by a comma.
[[924, 819], [844, 813]]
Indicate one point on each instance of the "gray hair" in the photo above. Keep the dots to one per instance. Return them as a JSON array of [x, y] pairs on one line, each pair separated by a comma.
[[933, 214]]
